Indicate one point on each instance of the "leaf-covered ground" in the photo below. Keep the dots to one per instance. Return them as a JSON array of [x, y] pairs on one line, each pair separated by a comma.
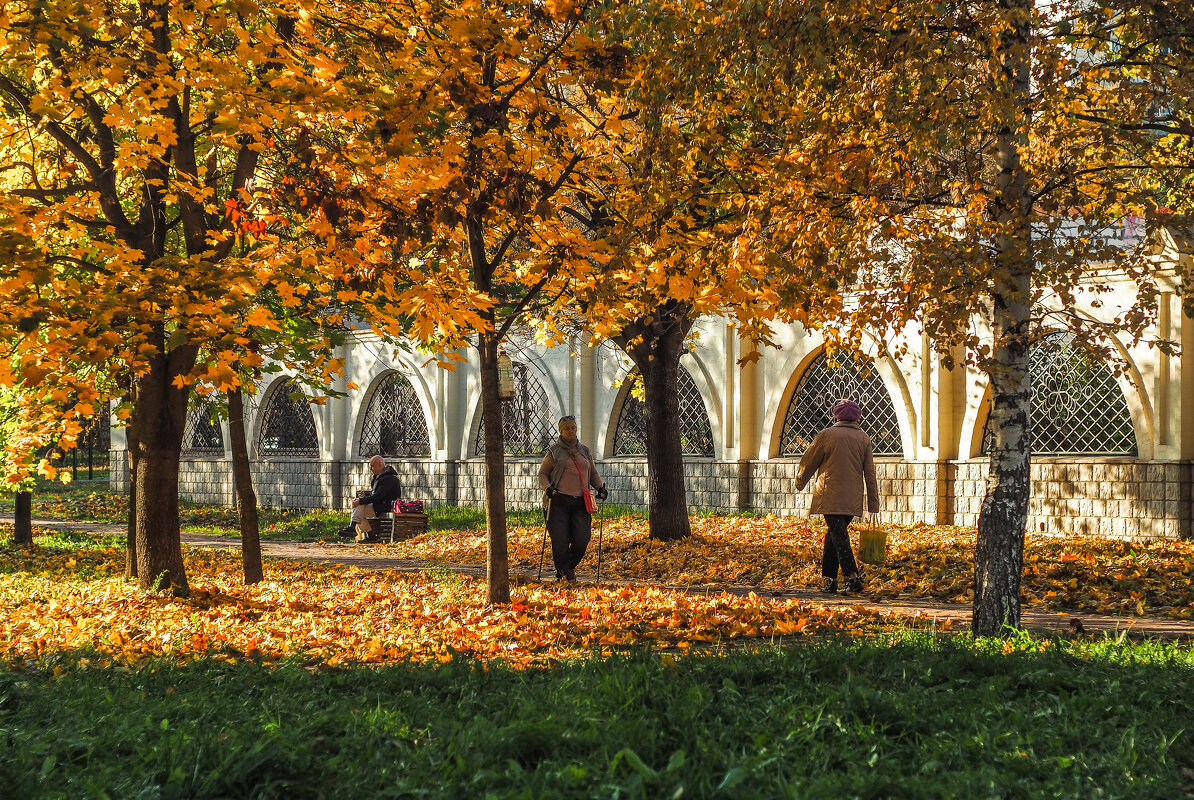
[[924, 561], [63, 599], [71, 595]]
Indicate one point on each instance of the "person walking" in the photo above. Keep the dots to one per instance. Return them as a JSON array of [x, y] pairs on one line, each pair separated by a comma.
[[843, 460], [384, 489], [567, 472]]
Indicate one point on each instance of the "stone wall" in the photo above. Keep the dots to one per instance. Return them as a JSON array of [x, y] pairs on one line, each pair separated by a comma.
[[1114, 499], [1110, 498]]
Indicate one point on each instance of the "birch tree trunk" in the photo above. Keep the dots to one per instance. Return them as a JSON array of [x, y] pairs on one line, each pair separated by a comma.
[[999, 550]]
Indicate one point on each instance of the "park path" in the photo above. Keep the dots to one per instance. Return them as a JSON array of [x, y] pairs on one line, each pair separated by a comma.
[[957, 614]]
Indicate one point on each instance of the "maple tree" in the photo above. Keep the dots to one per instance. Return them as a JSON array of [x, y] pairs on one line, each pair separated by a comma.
[[932, 169], [487, 119], [136, 134], [674, 221], [22, 493]]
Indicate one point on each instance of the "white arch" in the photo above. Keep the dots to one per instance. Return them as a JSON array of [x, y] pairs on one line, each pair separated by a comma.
[[1131, 386], [623, 395], [554, 405], [422, 393], [267, 397], [890, 376]]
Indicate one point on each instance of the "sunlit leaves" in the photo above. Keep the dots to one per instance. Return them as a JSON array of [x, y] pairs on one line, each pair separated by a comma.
[[925, 561], [55, 600]]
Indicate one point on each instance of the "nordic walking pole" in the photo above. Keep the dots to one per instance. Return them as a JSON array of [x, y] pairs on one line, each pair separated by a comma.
[[543, 546], [600, 531]]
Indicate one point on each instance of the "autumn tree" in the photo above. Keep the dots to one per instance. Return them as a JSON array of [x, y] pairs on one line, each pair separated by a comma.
[[23, 490], [936, 168], [672, 220], [137, 133], [487, 117]]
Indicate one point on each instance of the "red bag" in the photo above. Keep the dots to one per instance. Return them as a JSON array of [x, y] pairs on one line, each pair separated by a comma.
[[408, 507], [590, 503]]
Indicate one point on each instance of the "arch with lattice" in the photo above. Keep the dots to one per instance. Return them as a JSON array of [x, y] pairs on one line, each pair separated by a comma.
[[286, 426], [696, 432], [394, 424], [526, 420], [202, 435], [827, 380], [1077, 407]]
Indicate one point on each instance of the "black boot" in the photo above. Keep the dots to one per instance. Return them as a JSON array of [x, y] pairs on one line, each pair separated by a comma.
[[830, 586], [347, 532], [854, 586]]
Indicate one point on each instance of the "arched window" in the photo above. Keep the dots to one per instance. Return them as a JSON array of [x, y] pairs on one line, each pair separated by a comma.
[[1077, 406], [287, 425], [394, 423], [823, 384], [526, 420], [696, 434], [202, 435]]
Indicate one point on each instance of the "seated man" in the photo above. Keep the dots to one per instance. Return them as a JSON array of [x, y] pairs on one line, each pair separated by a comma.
[[384, 489]]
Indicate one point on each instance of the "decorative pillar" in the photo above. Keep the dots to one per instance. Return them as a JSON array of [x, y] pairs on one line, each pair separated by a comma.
[[750, 417], [589, 424], [341, 427]]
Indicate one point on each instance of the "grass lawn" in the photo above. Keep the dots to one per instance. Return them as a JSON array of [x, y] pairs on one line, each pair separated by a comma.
[[327, 681], [913, 716], [93, 501]]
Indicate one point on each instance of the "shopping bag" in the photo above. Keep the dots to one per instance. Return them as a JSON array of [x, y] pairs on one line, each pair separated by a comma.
[[408, 506], [872, 545]]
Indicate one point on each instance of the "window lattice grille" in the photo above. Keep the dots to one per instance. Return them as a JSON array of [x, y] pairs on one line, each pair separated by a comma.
[[394, 424], [696, 434], [811, 408], [1077, 406], [287, 425], [526, 420], [202, 435]]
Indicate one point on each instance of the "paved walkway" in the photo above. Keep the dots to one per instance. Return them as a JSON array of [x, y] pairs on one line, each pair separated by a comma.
[[373, 557]]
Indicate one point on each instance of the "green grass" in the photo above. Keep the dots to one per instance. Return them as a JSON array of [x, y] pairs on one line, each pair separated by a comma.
[[917, 717], [94, 502]]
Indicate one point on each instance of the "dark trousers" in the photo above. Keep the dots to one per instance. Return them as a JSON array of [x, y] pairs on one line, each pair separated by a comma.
[[570, 527], [837, 547]]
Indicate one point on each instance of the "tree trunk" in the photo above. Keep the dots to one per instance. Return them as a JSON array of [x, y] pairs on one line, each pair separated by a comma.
[[497, 561], [160, 416], [130, 556], [23, 519], [656, 354], [246, 496], [999, 550]]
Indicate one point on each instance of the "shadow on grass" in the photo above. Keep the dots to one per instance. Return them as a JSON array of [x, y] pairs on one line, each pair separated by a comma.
[[916, 717]]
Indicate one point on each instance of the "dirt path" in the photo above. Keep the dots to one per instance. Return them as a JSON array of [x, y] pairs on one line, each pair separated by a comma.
[[374, 557]]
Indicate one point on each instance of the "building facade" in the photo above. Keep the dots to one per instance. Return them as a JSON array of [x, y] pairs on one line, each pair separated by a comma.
[[1113, 452]]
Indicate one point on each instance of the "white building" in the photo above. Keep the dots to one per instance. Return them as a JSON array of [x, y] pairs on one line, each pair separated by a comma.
[[1112, 457]]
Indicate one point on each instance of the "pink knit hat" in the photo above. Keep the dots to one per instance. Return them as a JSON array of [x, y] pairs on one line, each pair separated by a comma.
[[847, 411]]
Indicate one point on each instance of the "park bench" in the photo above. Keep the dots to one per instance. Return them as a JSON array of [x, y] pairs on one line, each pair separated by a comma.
[[397, 527]]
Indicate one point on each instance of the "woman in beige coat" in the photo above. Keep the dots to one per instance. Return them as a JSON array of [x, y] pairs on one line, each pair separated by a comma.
[[843, 458]]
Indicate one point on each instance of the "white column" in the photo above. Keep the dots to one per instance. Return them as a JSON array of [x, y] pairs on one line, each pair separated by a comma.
[[750, 404], [730, 443], [341, 409], [591, 427]]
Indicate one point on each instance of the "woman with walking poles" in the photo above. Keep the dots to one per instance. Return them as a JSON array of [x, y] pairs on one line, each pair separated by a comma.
[[841, 456], [566, 475]]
